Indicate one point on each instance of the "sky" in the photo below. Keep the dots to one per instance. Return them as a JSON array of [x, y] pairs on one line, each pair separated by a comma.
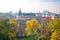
[[30, 5]]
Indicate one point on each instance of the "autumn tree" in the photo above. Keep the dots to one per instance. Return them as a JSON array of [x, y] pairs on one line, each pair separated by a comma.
[[54, 25], [31, 27], [55, 35], [44, 30], [13, 29]]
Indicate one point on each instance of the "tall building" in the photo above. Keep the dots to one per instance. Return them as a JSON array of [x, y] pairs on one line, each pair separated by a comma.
[[20, 12]]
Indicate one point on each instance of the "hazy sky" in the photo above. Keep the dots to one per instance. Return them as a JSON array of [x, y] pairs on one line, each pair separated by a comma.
[[29, 5]]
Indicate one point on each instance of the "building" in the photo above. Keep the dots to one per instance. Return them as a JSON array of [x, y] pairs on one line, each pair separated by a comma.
[[22, 18], [7, 15], [57, 16], [4, 15]]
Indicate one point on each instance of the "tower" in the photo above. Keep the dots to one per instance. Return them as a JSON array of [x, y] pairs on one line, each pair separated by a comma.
[[20, 12]]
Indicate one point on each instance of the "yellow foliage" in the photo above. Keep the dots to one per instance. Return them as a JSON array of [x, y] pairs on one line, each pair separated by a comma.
[[31, 26], [28, 23], [0, 24], [56, 35], [12, 35], [54, 25], [13, 21]]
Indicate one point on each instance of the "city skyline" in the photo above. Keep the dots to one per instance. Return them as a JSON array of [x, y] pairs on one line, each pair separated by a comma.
[[29, 5]]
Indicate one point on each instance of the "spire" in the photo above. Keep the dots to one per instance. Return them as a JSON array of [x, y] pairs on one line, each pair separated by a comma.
[[20, 12]]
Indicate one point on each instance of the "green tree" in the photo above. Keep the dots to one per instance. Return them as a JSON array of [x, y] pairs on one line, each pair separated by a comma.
[[3, 30], [7, 29]]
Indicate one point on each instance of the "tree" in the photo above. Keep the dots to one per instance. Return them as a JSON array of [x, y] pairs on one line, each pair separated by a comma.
[[3, 28], [56, 35], [54, 25], [7, 29], [31, 27], [44, 30], [14, 22]]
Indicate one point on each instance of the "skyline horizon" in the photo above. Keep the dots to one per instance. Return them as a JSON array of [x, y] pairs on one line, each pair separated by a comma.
[[28, 12], [30, 5]]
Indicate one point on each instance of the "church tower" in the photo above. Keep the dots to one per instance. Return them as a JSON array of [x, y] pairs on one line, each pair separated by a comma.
[[20, 12]]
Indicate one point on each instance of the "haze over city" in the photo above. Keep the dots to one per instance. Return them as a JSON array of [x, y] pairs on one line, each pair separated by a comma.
[[29, 5], [29, 19]]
